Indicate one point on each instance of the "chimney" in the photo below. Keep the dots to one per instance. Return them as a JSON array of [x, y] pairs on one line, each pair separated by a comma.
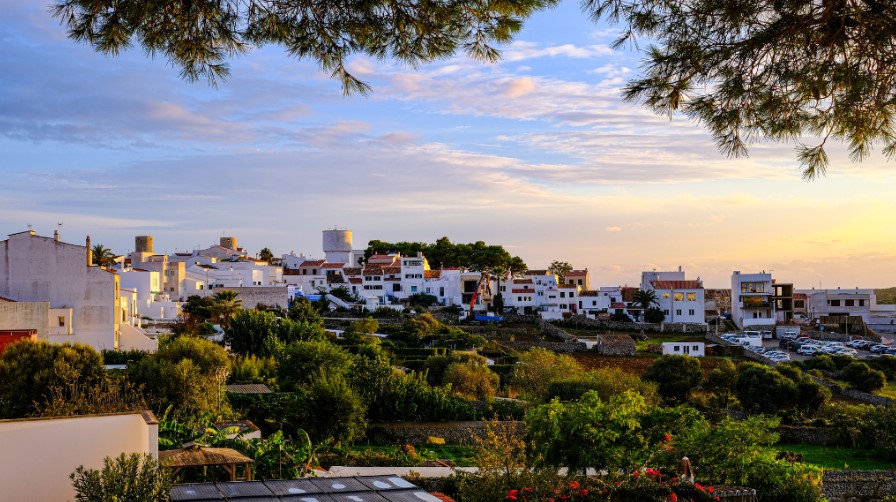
[[89, 253], [56, 235]]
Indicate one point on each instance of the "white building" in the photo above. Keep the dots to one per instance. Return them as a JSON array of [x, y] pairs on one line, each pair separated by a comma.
[[680, 299], [751, 300], [693, 349], [839, 302], [85, 302]]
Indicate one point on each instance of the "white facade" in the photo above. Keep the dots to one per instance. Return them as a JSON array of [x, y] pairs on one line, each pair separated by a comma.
[[39, 454], [42, 269], [693, 349], [751, 300], [839, 302], [681, 300]]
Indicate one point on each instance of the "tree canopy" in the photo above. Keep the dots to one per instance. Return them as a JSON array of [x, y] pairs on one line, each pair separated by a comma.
[[746, 69], [444, 253], [199, 37]]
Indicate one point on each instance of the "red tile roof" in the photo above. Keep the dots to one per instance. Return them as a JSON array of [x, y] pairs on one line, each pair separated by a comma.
[[677, 285], [312, 263], [522, 281], [352, 270], [617, 305], [801, 295], [589, 293], [536, 272], [333, 265], [432, 274], [391, 270], [567, 286], [577, 273], [523, 290], [355, 280]]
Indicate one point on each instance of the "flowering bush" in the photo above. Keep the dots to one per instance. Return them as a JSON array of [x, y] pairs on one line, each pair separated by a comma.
[[644, 485]]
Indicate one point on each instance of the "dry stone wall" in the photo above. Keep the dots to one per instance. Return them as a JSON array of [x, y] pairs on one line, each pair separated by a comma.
[[420, 432], [858, 486]]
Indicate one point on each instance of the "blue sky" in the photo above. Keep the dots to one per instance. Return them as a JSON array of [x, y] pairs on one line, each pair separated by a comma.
[[536, 152]]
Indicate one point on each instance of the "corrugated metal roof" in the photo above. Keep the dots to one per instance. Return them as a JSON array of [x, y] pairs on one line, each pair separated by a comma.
[[249, 388], [356, 489]]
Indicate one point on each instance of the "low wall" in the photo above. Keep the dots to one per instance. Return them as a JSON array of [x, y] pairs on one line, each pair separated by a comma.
[[420, 432], [792, 434], [552, 331], [554, 346], [858, 486]]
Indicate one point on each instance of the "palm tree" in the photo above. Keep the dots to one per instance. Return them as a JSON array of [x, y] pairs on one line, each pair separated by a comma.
[[103, 256], [226, 304], [645, 299], [265, 255]]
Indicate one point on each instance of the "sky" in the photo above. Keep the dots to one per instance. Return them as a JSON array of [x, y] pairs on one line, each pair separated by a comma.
[[537, 153]]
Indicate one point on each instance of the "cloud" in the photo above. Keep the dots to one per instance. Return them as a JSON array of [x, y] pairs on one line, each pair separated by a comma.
[[521, 50], [613, 228]]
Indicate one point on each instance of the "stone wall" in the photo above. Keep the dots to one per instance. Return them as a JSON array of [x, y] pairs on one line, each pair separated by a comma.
[[419, 432], [854, 394], [790, 434], [554, 346], [552, 331], [251, 297], [858, 486], [667, 327]]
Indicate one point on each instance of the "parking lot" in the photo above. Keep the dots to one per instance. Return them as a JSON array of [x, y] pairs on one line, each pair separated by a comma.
[[772, 348]]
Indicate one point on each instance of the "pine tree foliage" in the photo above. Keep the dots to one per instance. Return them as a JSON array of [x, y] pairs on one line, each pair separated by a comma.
[[768, 69]]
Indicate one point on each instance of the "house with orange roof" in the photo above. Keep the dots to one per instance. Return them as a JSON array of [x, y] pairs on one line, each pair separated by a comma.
[[680, 299]]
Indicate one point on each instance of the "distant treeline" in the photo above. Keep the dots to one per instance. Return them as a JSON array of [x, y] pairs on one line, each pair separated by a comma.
[[444, 253], [886, 295]]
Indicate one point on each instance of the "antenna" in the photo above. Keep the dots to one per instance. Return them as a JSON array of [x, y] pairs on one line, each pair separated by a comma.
[[29, 226]]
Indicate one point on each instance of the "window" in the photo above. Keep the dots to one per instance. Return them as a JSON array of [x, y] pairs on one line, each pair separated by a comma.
[[413, 289], [665, 296], [696, 347], [677, 311], [861, 303], [692, 297], [799, 304], [562, 294], [834, 303], [572, 294], [396, 287], [690, 311], [442, 291], [675, 348], [678, 297], [849, 303], [666, 312], [61, 321]]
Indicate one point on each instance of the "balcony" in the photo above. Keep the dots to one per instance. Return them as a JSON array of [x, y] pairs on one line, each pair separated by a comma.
[[755, 305]]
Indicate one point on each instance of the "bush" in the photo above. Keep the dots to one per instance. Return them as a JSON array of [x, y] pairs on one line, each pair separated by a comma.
[[675, 376], [386, 313], [861, 377], [471, 380], [127, 477]]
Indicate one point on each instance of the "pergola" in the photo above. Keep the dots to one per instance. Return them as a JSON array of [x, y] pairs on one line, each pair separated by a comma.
[[196, 455]]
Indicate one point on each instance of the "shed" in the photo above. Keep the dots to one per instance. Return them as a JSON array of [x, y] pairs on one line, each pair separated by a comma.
[[193, 455]]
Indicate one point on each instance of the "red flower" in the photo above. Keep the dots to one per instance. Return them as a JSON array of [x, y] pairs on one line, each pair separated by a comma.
[[583, 492], [635, 474], [698, 486], [718, 498], [574, 485], [710, 489], [527, 489], [673, 497], [668, 437], [511, 495]]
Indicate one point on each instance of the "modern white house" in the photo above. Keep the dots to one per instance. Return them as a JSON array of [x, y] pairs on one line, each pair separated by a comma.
[[839, 302], [84, 300], [751, 300]]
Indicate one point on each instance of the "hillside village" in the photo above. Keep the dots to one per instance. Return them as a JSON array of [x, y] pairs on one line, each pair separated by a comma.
[[230, 370]]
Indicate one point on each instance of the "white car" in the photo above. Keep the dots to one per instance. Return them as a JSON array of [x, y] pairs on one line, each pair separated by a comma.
[[807, 350]]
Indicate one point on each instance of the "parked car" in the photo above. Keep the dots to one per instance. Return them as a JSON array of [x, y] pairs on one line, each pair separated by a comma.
[[807, 350], [879, 349]]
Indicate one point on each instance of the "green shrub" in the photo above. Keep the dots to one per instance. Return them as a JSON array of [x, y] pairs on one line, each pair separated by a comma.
[[861, 377]]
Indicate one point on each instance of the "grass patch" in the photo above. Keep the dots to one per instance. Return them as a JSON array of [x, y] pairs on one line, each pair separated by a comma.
[[394, 455], [828, 457]]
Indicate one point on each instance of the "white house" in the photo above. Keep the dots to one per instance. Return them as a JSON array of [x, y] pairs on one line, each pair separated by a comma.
[[693, 349], [680, 299], [751, 300]]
